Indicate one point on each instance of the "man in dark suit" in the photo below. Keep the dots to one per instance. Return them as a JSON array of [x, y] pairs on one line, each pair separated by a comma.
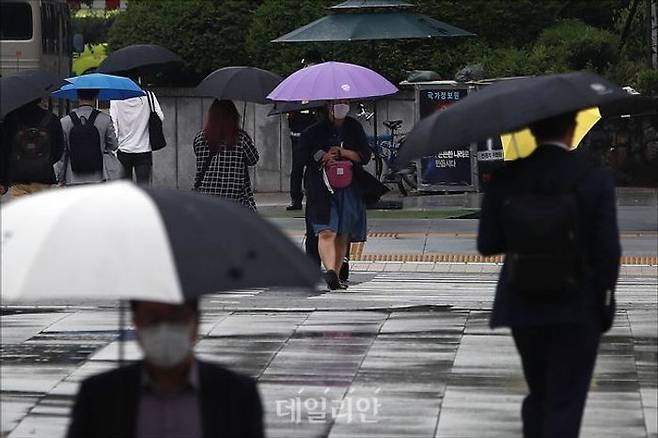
[[170, 394], [557, 335]]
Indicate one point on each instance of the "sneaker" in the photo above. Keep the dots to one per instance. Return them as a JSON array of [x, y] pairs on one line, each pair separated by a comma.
[[332, 279], [342, 285], [294, 206]]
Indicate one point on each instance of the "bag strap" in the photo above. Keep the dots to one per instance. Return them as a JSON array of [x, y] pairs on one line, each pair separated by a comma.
[[75, 119], [149, 98], [92, 116]]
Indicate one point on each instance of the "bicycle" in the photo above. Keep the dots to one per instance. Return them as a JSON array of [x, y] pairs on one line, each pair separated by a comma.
[[385, 153]]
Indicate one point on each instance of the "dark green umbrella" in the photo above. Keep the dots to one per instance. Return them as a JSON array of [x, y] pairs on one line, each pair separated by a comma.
[[371, 4], [367, 26]]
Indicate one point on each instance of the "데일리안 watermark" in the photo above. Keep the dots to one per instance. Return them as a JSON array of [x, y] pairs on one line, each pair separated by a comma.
[[351, 408]]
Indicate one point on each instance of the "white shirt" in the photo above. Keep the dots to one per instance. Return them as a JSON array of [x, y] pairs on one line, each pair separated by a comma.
[[131, 119]]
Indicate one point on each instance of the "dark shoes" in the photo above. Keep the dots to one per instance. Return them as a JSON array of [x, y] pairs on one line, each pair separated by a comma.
[[294, 206], [332, 280]]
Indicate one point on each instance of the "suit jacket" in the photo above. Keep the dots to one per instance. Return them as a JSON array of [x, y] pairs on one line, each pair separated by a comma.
[[106, 405], [109, 144], [595, 192]]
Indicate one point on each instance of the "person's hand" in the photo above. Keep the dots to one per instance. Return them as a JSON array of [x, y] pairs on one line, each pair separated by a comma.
[[329, 156]]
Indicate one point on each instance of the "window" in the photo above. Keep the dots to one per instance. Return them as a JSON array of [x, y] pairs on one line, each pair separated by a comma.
[[16, 21]]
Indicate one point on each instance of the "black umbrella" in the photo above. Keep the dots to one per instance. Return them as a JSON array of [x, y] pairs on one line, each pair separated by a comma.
[[291, 107], [18, 90], [633, 105], [47, 80], [183, 245], [506, 107], [138, 56], [249, 84]]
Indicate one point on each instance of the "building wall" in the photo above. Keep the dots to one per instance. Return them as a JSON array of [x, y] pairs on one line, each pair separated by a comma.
[[174, 166]]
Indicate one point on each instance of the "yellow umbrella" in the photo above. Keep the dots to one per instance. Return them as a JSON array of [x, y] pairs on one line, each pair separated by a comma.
[[520, 144]]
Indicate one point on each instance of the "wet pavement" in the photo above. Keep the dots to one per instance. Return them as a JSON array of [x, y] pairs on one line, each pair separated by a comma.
[[402, 354]]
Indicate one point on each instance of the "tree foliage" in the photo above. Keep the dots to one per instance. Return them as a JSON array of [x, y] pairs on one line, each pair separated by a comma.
[[207, 34], [514, 37]]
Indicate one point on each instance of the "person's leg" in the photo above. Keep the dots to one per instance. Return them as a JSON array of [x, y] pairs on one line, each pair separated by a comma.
[[143, 173], [342, 242], [296, 176], [327, 249], [344, 272], [127, 163], [531, 345], [570, 363], [311, 243]]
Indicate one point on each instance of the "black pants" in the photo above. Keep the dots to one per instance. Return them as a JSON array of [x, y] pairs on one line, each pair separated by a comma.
[[141, 163], [297, 172], [311, 242], [557, 362]]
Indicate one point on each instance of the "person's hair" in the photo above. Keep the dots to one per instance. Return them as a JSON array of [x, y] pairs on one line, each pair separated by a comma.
[[553, 127], [193, 304], [87, 94], [222, 124]]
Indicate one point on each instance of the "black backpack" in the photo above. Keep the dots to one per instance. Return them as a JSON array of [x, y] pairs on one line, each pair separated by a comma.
[[545, 248], [31, 153], [85, 144], [156, 135]]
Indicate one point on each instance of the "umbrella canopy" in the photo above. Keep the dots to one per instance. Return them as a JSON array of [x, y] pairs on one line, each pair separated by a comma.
[[138, 56], [183, 245], [522, 143], [507, 107], [291, 107], [16, 91], [332, 81], [47, 80], [109, 87], [249, 84], [364, 26], [371, 4]]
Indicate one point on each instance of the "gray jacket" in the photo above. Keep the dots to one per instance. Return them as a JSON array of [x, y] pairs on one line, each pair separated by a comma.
[[109, 144]]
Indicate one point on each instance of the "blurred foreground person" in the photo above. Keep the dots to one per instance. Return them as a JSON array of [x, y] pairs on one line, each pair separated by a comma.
[[224, 153], [32, 143], [553, 215], [170, 394]]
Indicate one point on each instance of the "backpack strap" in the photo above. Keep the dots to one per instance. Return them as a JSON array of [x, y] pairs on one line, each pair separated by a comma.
[[75, 119], [92, 116]]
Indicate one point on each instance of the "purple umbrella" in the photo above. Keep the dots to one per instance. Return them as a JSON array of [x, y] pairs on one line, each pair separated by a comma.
[[332, 81]]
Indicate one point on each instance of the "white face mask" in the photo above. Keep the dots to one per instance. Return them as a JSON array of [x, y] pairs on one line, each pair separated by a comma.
[[340, 110], [166, 344]]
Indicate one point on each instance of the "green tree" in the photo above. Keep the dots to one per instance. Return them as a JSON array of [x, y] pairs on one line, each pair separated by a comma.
[[207, 34]]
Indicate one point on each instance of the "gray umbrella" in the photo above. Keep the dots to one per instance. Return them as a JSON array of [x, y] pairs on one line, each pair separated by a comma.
[[367, 26], [137, 57]]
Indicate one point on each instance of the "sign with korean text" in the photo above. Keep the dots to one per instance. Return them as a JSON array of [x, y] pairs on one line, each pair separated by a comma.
[[450, 167]]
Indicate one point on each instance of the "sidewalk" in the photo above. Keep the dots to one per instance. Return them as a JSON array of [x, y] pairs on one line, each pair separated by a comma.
[[400, 354]]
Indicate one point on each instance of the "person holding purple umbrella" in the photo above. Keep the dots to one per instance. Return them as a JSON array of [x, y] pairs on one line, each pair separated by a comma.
[[335, 205]]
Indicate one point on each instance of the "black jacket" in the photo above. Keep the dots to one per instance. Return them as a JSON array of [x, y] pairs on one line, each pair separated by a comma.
[[319, 137], [598, 215], [30, 115], [106, 404]]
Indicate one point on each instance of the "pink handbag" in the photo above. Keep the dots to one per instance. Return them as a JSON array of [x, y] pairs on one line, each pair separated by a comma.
[[339, 174]]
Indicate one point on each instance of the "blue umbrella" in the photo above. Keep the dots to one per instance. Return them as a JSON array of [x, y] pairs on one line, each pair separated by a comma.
[[109, 87]]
